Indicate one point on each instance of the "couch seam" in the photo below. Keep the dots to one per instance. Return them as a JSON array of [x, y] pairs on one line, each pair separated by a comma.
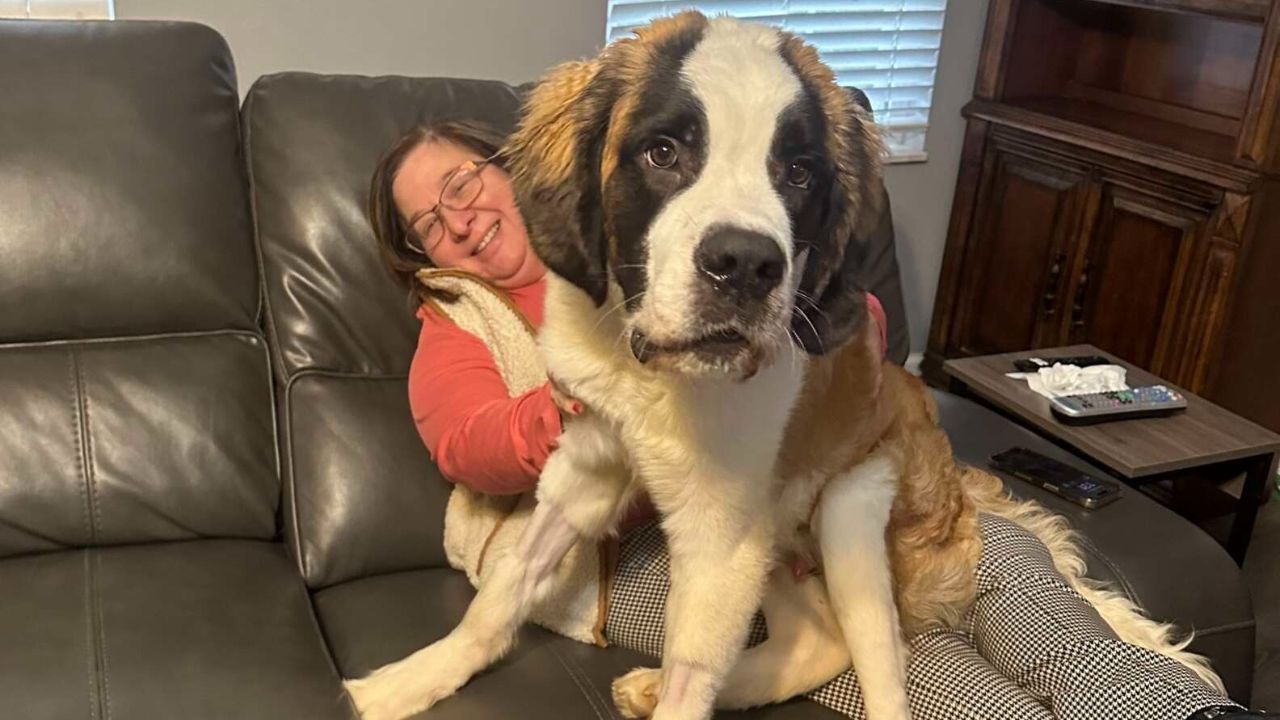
[[243, 150], [323, 638], [1121, 578], [300, 556], [276, 431], [266, 321], [90, 460], [82, 487], [84, 455], [90, 644], [102, 638], [588, 693], [1229, 627], [146, 337], [345, 375], [266, 317]]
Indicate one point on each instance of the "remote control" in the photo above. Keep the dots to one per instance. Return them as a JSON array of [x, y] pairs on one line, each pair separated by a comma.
[[1144, 401], [1075, 485], [1030, 365]]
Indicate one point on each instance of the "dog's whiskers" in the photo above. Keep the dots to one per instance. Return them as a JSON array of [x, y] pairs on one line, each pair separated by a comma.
[[791, 348], [814, 305], [622, 303], [806, 297], [805, 316]]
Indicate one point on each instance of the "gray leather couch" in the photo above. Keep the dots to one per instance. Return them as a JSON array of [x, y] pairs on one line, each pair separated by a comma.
[[213, 503]]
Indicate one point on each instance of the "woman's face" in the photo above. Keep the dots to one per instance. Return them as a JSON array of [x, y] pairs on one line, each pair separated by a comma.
[[487, 238]]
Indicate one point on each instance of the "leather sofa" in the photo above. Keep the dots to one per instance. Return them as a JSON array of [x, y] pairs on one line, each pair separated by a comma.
[[213, 502]]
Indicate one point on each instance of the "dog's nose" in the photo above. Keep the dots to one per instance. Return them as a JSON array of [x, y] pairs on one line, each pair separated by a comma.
[[742, 261]]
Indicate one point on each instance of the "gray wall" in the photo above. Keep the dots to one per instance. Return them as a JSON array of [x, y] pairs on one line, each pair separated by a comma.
[[511, 40], [515, 40], [921, 192]]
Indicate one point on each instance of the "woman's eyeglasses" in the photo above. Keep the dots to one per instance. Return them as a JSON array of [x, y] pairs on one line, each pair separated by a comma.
[[461, 188]]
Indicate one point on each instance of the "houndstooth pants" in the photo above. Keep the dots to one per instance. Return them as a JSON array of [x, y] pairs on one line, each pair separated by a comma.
[[1030, 649]]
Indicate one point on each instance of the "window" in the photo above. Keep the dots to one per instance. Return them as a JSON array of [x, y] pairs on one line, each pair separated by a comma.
[[886, 48], [58, 9]]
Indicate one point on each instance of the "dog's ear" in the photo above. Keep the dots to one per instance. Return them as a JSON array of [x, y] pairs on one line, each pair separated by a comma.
[[831, 307], [554, 160]]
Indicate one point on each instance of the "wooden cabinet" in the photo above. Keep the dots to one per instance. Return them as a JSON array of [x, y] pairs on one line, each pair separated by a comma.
[[1031, 209], [1110, 192], [1135, 264]]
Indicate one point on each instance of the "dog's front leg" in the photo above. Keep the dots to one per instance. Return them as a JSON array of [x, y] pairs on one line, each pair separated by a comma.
[[720, 556], [581, 489], [851, 520], [486, 632], [805, 649]]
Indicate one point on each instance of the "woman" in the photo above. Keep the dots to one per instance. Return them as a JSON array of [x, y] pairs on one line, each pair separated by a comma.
[[446, 222]]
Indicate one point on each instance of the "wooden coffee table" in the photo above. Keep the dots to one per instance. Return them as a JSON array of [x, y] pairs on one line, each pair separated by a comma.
[[1203, 438]]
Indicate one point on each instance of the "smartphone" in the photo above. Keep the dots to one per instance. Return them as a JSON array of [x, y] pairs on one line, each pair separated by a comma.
[[1057, 477]]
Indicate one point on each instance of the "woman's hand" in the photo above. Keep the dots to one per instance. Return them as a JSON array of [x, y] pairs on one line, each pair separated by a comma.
[[568, 405]]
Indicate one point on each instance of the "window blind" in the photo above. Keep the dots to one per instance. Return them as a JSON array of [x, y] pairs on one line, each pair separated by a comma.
[[58, 9], [886, 48]]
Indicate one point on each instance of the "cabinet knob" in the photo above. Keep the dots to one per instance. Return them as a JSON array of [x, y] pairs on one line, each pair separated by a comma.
[[1077, 304], [1049, 301]]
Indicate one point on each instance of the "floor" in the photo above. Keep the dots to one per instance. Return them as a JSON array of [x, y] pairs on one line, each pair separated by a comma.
[[1262, 570]]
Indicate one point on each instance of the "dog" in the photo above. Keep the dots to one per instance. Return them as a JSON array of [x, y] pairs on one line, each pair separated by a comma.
[[871, 492], [698, 192]]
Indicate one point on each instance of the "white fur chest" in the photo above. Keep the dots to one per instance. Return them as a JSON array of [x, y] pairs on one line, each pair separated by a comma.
[[670, 426]]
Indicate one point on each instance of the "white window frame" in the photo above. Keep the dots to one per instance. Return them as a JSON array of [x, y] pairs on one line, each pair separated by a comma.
[[58, 9]]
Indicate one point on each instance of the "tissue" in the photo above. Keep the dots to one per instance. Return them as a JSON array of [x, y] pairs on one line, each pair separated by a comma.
[[1060, 380]]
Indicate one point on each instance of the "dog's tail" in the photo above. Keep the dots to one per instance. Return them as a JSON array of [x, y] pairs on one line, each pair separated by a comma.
[[1129, 622]]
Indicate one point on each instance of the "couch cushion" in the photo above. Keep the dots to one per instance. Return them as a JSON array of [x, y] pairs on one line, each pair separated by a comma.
[[1145, 549], [124, 203], [878, 272], [208, 629], [372, 498], [336, 316], [374, 621], [312, 142], [136, 440]]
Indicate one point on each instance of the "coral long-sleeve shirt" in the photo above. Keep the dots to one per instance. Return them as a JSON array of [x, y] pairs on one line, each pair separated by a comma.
[[477, 434]]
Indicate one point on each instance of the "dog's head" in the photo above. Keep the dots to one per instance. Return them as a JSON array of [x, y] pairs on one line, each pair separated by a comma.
[[710, 177]]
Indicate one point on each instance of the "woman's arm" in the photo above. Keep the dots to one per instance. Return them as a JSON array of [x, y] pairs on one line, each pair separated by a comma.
[[477, 434]]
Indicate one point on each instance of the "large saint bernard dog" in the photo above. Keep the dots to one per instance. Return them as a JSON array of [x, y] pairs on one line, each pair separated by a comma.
[[699, 192]]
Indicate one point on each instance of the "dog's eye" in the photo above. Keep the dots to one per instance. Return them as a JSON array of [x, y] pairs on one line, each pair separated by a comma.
[[799, 175], [662, 154]]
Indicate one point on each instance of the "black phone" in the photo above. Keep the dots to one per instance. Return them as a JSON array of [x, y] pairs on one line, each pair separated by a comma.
[[1057, 477]]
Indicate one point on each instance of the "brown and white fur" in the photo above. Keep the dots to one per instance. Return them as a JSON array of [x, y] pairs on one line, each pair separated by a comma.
[[872, 492], [698, 192]]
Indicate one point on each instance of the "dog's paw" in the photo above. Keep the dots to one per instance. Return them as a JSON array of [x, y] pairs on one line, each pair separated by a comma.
[[636, 693], [401, 689], [377, 697]]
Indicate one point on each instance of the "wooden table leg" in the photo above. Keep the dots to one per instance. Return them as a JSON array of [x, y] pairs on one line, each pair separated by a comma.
[[1257, 487]]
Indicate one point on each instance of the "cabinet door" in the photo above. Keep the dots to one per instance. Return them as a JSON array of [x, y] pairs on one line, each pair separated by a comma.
[[1129, 284], [1017, 262]]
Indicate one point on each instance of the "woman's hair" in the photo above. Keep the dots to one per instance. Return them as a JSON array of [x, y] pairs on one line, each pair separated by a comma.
[[390, 230]]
